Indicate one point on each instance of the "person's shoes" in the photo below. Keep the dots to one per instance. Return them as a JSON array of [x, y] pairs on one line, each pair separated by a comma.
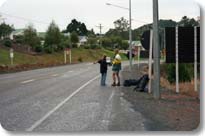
[[114, 84], [118, 84]]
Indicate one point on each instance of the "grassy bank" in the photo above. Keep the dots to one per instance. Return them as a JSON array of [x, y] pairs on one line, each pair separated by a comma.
[[78, 55]]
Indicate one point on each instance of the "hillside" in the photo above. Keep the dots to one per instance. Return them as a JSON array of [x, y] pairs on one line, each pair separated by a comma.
[[24, 61]]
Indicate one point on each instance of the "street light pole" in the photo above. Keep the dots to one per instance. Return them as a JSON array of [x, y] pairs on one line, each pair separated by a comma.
[[156, 88], [130, 35]]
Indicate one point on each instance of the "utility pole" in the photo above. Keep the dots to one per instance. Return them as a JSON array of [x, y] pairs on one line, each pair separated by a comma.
[[130, 34], [100, 27], [156, 91]]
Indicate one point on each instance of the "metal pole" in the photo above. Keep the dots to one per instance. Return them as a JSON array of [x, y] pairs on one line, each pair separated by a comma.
[[100, 35], [138, 54], [100, 27], [195, 58], [70, 56], [64, 56], [12, 61], [156, 51], [130, 35], [177, 60], [150, 60], [164, 49]]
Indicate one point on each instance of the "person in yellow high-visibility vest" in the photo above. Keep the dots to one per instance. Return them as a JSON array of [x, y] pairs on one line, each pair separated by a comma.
[[116, 67]]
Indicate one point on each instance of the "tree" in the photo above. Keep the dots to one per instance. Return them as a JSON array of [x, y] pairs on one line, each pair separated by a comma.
[[74, 38], [187, 22], [125, 45], [106, 42], [78, 27], [91, 33], [121, 29], [121, 24], [5, 30], [52, 38], [65, 42], [30, 36]]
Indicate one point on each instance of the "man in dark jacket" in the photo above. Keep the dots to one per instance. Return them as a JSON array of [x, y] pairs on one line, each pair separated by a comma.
[[103, 69]]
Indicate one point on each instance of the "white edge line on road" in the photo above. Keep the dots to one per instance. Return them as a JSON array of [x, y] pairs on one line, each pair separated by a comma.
[[89, 64], [111, 96], [27, 81], [37, 123], [55, 75]]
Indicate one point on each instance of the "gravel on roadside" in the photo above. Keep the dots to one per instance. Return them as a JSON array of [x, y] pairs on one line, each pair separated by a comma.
[[173, 112]]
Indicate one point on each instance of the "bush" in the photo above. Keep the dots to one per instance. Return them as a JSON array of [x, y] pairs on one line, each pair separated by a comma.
[[171, 73], [39, 48], [19, 39], [49, 50], [65, 43], [185, 72], [80, 59], [61, 46], [7, 42], [93, 46], [74, 45], [86, 47]]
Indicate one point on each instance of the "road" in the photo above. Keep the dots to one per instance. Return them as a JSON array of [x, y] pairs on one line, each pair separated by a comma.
[[64, 99]]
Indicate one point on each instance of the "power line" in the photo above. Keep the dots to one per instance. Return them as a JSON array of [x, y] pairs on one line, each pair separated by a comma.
[[26, 19]]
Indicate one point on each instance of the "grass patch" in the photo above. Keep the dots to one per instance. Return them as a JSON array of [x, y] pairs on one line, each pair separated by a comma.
[[85, 55]]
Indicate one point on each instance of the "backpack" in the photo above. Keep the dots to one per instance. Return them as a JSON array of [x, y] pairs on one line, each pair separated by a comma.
[[131, 82]]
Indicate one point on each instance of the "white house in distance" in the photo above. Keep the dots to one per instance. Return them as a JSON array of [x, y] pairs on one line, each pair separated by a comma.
[[17, 32], [82, 40]]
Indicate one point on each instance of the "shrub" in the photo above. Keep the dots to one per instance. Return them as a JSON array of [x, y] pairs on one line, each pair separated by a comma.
[[171, 73], [93, 46], [64, 44], [39, 48], [74, 45], [7, 42], [185, 72], [19, 39], [86, 47], [49, 50], [61, 46], [80, 59]]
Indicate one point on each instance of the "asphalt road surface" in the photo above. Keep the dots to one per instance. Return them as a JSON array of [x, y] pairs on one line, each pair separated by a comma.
[[64, 99]]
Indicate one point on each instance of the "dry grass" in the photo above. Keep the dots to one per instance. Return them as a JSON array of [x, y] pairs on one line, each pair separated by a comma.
[[186, 88]]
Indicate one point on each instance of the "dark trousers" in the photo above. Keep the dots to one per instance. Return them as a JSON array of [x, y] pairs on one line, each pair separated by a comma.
[[103, 78]]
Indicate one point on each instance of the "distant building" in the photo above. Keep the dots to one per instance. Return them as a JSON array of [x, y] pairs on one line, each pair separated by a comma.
[[66, 34], [82, 40], [17, 32]]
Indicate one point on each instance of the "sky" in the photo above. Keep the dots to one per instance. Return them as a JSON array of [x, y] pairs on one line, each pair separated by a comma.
[[40, 13]]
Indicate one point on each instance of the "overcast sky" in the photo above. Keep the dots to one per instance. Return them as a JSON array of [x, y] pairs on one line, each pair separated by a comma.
[[92, 12]]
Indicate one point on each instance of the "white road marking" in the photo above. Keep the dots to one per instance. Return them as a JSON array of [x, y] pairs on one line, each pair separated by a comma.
[[28, 81], [70, 71], [89, 64], [37, 123], [111, 95], [55, 75]]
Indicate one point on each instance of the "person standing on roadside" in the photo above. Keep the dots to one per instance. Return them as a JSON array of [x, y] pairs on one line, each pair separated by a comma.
[[116, 67], [103, 69]]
